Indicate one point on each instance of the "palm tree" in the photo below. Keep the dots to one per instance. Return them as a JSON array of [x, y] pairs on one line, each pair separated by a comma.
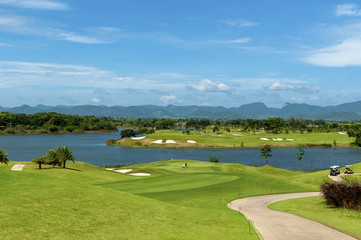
[[53, 158], [266, 152], [40, 160], [64, 154], [3, 157]]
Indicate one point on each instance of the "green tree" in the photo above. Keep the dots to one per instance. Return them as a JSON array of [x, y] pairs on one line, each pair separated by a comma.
[[64, 154], [128, 133], [300, 154], [266, 152], [40, 160], [53, 158], [3, 157]]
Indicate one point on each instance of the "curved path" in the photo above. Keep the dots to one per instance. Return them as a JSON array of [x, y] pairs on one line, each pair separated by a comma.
[[279, 225]]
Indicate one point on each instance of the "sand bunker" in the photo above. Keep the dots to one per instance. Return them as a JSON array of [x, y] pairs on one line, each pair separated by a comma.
[[109, 169], [290, 139], [265, 139], [18, 167], [138, 138], [140, 174], [123, 170], [277, 139], [236, 134], [343, 133], [191, 141], [160, 141], [170, 141]]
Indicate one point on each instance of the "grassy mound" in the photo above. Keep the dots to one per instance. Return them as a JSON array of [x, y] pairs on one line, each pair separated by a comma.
[[87, 202]]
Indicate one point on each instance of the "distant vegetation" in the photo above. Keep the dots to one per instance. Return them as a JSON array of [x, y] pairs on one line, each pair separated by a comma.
[[11, 123]]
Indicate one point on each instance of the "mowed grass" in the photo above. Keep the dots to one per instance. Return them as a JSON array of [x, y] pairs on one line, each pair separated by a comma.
[[237, 139], [315, 208], [88, 202]]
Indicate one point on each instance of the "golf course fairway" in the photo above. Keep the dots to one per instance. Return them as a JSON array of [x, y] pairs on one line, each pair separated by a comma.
[[83, 201]]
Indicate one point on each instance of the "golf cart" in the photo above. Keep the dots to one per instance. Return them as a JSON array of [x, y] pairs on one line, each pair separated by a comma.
[[348, 169], [334, 170]]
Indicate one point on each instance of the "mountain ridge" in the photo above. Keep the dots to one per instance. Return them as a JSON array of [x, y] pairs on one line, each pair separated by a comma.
[[257, 110]]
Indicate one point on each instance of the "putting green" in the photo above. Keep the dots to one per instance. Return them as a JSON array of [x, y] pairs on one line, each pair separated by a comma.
[[171, 183]]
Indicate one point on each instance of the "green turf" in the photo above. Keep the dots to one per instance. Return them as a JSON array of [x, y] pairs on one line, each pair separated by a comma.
[[238, 139], [89, 202]]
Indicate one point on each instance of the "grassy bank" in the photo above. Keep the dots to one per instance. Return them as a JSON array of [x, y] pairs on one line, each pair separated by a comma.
[[235, 139], [84, 201]]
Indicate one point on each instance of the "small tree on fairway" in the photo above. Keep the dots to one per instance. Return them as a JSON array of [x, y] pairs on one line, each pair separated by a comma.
[[53, 158], [266, 152], [64, 154], [40, 160], [3, 157], [300, 153]]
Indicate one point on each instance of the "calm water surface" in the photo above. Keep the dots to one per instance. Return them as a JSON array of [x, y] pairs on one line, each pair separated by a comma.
[[91, 148]]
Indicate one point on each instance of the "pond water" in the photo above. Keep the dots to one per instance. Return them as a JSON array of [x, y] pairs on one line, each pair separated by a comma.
[[91, 148]]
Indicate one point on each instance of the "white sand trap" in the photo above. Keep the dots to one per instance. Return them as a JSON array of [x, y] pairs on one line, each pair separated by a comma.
[[18, 167], [191, 141], [140, 174], [290, 139], [138, 138], [123, 170], [265, 139], [343, 133], [236, 134], [109, 169], [160, 141], [170, 141]]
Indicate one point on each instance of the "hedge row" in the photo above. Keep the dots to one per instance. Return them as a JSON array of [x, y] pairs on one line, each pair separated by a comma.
[[345, 194]]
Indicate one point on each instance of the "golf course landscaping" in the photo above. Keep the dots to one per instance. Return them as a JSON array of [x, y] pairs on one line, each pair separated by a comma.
[[83, 201], [234, 139]]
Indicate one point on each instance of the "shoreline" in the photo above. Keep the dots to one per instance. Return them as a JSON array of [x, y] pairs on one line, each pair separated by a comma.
[[59, 132]]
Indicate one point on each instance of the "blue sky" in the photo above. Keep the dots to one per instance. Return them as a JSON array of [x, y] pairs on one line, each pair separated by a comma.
[[215, 53]]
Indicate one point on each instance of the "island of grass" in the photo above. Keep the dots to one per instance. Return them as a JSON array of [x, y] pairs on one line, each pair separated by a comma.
[[234, 139], [83, 201]]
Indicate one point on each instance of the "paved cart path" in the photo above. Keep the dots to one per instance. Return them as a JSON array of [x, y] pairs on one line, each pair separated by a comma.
[[274, 225]]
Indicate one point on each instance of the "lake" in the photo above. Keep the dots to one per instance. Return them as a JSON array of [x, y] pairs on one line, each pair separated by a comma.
[[91, 148]]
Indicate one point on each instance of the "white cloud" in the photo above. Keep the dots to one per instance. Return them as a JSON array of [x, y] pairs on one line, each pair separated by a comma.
[[288, 87], [239, 23], [347, 53], [30, 26], [37, 4], [168, 99], [348, 10], [241, 40], [95, 100], [207, 85]]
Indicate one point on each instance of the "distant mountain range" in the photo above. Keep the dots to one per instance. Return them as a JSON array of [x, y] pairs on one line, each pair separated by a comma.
[[258, 110]]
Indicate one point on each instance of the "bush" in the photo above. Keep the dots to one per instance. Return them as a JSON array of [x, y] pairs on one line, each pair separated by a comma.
[[345, 194], [213, 159]]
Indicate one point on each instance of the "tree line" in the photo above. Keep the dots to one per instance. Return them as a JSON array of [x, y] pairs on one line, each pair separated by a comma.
[[273, 125], [11, 123]]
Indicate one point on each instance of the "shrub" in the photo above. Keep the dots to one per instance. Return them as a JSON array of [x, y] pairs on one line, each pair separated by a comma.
[[345, 194], [213, 159]]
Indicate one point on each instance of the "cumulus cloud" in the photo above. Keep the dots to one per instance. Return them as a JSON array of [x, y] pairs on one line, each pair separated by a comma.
[[37, 4], [207, 85], [168, 99], [344, 54], [277, 86], [95, 100], [348, 10]]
